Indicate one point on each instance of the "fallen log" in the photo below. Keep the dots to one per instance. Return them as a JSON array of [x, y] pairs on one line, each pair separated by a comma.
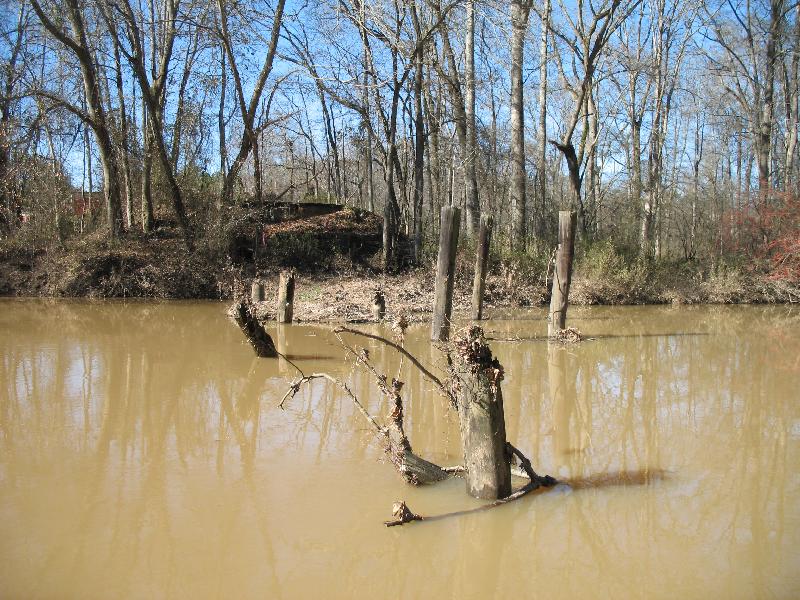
[[242, 314]]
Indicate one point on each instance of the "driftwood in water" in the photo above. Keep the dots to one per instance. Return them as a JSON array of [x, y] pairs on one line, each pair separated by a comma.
[[241, 312], [378, 306], [413, 468], [481, 264], [481, 416], [401, 515], [285, 309], [562, 275], [445, 273]]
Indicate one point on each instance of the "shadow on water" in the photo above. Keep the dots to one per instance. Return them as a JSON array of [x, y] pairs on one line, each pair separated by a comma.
[[616, 479], [607, 336], [315, 357]]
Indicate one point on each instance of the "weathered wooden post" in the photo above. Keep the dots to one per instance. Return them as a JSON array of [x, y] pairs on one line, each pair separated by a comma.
[[481, 416], [445, 273], [562, 274], [257, 291], [378, 306], [285, 309], [481, 264]]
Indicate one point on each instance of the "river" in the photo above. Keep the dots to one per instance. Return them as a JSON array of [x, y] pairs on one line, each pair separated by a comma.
[[143, 455]]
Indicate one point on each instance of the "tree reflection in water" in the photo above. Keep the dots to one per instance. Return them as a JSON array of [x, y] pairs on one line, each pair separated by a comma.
[[141, 454]]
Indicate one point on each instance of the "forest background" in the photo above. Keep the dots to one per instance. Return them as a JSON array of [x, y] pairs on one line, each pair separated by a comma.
[[136, 136]]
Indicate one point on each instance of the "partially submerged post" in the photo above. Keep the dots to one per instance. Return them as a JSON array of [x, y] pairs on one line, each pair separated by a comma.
[[285, 309], [562, 274], [481, 416], [474, 390], [481, 262], [257, 291], [445, 273], [378, 306], [259, 339]]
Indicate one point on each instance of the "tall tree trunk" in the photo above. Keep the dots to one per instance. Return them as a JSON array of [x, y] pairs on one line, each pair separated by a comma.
[[541, 133], [223, 144], [520, 10], [147, 172], [766, 109], [95, 112], [124, 136], [258, 181], [471, 150], [592, 122], [247, 109]]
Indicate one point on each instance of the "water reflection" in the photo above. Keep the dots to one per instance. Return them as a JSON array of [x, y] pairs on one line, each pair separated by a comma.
[[142, 455]]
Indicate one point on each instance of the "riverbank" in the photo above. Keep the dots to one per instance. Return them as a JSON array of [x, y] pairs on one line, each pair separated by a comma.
[[161, 268]]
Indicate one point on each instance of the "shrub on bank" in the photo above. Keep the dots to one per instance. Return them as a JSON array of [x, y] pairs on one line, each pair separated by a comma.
[[604, 275]]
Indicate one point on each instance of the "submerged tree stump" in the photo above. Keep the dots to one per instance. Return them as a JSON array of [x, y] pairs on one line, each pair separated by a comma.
[[285, 308], [476, 377], [562, 275], [241, 312]]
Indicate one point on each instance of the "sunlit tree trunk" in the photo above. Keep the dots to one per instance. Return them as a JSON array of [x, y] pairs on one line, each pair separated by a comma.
[[520, 10]]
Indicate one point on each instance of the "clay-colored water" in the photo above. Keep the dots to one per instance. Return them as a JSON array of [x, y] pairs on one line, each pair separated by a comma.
[[142, 456]]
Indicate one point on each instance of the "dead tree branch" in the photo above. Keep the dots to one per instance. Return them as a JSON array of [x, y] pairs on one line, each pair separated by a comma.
[[401, 350], [402, 514]]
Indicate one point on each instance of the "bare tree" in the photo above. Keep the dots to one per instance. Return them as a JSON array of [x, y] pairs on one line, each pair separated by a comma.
[[95, 115], [585, 37], [247, 109], [520, 10]]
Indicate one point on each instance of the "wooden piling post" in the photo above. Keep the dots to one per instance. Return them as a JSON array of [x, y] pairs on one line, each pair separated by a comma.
[[481, 416], [445, 273], [378, 306], [257, 291], [285, 309], [481, 264], [562, 274]]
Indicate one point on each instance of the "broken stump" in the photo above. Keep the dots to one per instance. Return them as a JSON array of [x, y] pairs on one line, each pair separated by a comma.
[[477, 376]]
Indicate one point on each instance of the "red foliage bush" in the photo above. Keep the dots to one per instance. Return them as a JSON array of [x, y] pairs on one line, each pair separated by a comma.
[[768, 230]]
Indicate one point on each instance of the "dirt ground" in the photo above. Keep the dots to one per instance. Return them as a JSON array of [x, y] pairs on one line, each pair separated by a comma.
[[350, 298]]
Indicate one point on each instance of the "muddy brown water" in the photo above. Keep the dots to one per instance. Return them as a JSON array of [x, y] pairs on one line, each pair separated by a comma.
[[142, 456]]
